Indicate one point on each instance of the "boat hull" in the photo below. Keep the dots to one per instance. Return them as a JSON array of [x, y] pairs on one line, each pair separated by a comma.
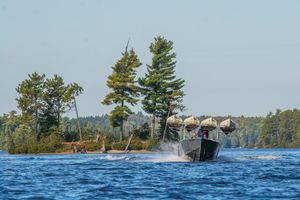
[[198, 149]]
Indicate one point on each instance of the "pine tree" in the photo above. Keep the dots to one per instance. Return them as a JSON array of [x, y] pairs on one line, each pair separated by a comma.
[[161, 89], [30, 100], [122, 81], [57, 99]]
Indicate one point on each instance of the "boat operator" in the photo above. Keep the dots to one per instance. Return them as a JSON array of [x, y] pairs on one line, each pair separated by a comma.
[[205, 134]]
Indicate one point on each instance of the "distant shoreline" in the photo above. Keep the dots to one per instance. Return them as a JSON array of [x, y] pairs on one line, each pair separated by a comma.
[[129, 152], [98, 152]]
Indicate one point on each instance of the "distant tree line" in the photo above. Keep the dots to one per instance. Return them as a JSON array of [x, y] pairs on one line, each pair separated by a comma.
[[138, 124], [275, 130], [281, 129]]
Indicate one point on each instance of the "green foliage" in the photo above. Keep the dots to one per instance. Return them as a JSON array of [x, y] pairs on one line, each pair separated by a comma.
[[9, 124], [24, 142], [118, 115], [136, 144], [38, 128], [100, 125], [30, 101], [119, 145], [57, 98], [122, 82], [151, 144], [90, 145], [245, 136], [281, 129], [43, 101], [161, 89], [19, 138], [143, 132]]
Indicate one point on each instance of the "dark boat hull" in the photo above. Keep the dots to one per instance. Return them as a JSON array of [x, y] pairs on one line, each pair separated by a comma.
[[199, 149]]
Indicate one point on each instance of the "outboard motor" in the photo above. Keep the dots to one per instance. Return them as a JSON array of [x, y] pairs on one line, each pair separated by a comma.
[[191, 123], [228, 126], [174, 122], [209, 124]]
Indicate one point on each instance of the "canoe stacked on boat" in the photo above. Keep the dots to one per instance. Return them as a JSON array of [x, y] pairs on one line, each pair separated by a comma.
[[209, 124], [174, 122], [191, 123], [228, 126]]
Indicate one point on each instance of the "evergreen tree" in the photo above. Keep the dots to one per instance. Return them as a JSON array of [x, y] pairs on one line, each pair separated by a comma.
[[12, 122], [161, 89], [58, 98], [122, 81], [280, 129], [43, 101], [30, 100]]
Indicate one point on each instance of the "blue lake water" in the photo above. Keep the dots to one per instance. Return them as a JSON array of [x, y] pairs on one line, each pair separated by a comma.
[[236, 174]]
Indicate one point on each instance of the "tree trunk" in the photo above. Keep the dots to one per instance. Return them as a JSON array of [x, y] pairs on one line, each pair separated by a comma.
[[58, 118], [78, 123], [121, 126], [153, 125], [121, 131], [165, 129], [36, 120], [129, 141]]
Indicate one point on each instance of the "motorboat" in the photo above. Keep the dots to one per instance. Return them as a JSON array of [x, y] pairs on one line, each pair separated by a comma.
[[197, 146]]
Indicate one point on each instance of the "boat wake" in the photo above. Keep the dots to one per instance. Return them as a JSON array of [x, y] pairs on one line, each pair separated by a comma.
[[170, 157], [262, 157], [224, 158], [114, 158], [168, 153], [159, 158]]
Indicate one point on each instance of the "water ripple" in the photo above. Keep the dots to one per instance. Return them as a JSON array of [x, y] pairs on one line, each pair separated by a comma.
[[237, 174]]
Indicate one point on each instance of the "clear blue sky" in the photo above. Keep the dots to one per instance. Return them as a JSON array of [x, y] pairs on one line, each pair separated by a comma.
[[237, 57]]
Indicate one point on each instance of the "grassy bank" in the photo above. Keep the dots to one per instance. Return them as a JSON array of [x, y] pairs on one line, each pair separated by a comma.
[[56, 145]]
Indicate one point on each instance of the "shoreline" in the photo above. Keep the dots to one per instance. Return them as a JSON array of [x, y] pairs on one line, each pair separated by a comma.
[[98, 152], [132, 151]]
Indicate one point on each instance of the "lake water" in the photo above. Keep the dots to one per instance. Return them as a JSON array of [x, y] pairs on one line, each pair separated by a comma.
[[236, 174]]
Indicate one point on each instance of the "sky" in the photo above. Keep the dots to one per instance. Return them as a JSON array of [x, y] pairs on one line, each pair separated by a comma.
[[237, 57]]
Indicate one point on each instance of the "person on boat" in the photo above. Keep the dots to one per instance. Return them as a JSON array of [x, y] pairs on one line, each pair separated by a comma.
[[195, 135], [204, 134], [199, 133]]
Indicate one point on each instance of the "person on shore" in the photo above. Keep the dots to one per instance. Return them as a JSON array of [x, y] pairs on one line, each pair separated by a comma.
[[74, 147], [83, 149], [103, 150]]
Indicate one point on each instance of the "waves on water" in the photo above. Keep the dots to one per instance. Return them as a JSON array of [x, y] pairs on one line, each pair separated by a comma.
[[236, 174], [153, 158]]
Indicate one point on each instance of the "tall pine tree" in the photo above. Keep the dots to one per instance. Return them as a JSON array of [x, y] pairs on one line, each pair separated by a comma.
[[57, 99], [122, 81], [30, 101], [161, 89]]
